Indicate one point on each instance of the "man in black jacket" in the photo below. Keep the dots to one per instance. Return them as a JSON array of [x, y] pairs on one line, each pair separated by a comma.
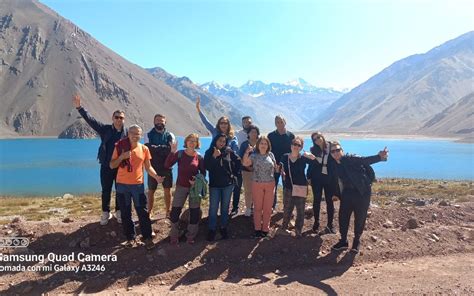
[[109, 135], [281, 140], [355, 183]]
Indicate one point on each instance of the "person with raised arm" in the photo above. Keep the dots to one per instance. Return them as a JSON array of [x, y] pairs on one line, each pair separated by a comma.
[[109, 134], [355, 177]]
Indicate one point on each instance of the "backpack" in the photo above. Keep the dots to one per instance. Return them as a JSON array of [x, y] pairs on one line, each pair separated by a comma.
[[369, 173]]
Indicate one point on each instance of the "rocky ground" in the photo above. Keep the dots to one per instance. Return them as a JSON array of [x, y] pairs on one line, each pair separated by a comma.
[[417, 244]]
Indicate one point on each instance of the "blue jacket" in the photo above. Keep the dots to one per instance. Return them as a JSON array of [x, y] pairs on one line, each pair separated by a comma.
[[233, 142]]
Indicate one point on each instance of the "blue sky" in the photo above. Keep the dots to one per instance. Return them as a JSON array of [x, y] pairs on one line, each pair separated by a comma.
[[334, 43]]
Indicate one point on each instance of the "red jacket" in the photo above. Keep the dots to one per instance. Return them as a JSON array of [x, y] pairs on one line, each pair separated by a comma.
[[124, 145]]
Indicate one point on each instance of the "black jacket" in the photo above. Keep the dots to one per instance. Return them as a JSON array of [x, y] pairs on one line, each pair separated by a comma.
[[281, 144], [352, 173], [315, 168], [106, 133], [222, 173]]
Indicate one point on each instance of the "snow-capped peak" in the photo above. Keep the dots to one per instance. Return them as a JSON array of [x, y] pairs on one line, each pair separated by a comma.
[[298, 82]]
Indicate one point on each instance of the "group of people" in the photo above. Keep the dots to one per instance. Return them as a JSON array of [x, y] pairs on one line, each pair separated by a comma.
[[233, 160]]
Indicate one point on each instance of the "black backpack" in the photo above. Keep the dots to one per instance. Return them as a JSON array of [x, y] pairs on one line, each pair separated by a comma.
[[369, 173]]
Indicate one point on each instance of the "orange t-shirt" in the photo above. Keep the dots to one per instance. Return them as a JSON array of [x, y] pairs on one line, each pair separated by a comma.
[[138, 155]]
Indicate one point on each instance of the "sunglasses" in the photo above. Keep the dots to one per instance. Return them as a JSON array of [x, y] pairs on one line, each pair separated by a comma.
[[223, 122], [295, 144], [336, 150], [119, 117], [317, 137]]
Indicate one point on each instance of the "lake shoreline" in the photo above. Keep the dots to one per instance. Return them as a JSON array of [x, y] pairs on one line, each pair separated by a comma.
[[304, 134], [380, 181]]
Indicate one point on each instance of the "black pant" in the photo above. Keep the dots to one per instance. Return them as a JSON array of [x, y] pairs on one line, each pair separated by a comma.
[[353, 202], [277, 178], [322, 182], [107, 178], [236, 197], [140, 204]]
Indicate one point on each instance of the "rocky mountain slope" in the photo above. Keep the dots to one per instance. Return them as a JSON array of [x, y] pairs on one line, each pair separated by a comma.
[[405, 95], [44, 59], [212, 106]]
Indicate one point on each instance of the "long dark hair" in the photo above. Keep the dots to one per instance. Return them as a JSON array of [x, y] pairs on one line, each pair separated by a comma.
[[316, 150], [214, 141]]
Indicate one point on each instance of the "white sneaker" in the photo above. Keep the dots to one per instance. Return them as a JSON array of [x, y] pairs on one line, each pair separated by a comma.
[[104, 219], [248, 212], [292, 224], [118, 216]]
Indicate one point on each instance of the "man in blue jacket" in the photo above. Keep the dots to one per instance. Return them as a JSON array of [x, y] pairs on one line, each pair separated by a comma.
[[109, 135], [159, 141]]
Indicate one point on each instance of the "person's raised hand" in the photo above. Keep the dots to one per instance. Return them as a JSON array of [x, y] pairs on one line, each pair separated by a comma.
[[76, 101], [174, 146], [198, 104], [384, 153], [249, 150], [216, 153]]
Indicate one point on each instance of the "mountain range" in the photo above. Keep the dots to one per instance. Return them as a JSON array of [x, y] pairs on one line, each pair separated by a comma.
[[45, 59], [407, 96], [213, 106], [297, 100]]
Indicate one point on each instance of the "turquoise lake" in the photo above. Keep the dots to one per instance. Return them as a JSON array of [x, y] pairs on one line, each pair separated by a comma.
[[52, 167]]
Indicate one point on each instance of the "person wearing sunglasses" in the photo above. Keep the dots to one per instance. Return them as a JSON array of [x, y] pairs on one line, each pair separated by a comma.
[[322, 178], [109, 134], [295, 189], [354, 191]]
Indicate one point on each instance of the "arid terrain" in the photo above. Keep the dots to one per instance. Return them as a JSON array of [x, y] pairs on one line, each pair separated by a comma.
[[418, 240]]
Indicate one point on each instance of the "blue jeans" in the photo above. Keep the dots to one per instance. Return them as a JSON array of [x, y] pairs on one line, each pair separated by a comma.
[[237, 187], [219, 195], [125, 195]]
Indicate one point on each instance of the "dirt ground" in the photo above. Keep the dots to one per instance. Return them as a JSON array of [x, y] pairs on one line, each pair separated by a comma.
[[435, 257]]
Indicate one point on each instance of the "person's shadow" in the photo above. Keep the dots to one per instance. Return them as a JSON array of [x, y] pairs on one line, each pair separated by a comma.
[[324, 268], [283, 255], [134, 266]]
